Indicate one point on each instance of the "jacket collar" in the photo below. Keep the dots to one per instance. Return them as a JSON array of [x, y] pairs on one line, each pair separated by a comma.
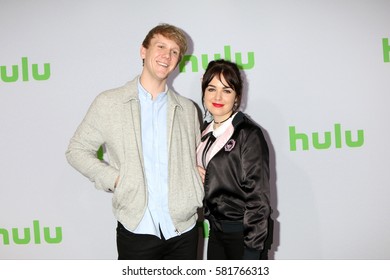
[[238, 119], [130, 91]]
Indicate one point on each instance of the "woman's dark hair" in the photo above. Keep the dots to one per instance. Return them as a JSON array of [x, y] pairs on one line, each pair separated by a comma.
[[231, 73]]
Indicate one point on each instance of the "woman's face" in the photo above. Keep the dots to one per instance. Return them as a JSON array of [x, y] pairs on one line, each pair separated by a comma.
[[219, 99]]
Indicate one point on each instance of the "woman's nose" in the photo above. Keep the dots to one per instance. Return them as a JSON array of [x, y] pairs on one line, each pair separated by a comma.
[[218, 95]]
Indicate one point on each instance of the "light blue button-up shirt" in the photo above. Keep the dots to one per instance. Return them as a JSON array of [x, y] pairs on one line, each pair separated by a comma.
[[155, 152]]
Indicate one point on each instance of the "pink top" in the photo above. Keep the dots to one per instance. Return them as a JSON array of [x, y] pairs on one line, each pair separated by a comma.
[[222, 135]]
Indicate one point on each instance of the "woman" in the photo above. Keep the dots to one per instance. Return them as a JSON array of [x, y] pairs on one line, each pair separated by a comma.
[[233, 163]]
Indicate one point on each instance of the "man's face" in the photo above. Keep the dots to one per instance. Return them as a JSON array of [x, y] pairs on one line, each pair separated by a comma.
[[161, 57]]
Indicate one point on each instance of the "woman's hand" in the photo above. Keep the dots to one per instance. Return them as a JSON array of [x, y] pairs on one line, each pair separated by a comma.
[[202, 172]]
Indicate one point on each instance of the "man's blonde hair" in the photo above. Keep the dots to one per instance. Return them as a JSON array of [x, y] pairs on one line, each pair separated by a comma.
[[171, 32]]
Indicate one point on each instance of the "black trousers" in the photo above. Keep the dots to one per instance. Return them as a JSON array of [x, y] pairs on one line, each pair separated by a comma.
[[225, 245], [133, 246]]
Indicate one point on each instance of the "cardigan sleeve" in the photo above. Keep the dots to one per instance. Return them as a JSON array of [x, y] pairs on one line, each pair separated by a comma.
[[83, 146]]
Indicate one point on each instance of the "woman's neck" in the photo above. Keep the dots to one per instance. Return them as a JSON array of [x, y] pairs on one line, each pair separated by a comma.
[[219, 123]]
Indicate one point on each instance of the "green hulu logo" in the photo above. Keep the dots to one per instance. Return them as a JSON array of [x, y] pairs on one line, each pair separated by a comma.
[[23, 71], [29, 235], [205, 228], [335, 137], [249, 64], [386, 49]]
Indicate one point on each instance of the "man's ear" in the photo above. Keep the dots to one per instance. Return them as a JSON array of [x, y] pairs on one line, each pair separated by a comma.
[[142, 52]]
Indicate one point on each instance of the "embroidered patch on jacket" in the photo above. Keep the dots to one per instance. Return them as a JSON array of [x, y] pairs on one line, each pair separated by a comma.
[[230, 145]]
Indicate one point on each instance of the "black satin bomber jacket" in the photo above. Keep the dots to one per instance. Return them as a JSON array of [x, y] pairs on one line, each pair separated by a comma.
[[237, 182]]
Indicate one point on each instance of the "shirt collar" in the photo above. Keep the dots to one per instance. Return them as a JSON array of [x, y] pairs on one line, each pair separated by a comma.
[[222, 128], [145, 95]]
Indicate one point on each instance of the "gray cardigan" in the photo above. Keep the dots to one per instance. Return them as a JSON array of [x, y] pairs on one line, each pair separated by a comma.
[[113, 119]]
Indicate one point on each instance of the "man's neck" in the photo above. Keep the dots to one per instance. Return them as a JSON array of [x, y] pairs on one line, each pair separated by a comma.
[[153, 86]]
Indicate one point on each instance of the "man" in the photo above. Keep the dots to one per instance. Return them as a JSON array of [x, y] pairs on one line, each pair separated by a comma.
[[150, 135]]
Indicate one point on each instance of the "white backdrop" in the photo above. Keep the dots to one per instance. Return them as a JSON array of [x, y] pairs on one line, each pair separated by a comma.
[[319, 67]]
